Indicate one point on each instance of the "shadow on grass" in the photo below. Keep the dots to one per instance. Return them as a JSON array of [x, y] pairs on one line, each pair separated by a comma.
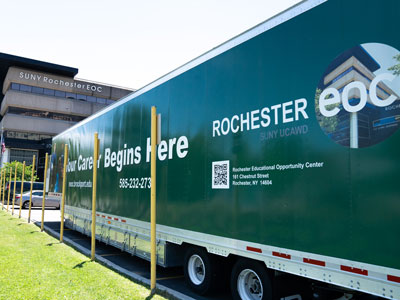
[[33, 232], [79, 266], [150, 296], [51, 244]]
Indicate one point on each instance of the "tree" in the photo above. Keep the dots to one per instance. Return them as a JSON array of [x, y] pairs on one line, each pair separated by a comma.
[[396, 68], [11, 167]]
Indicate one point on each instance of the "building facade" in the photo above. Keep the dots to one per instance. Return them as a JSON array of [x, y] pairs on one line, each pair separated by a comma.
[[373, 123], [39, 100]]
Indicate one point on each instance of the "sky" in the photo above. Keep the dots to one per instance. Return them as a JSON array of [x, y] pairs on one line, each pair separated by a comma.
[[127, 43], [384, 55]]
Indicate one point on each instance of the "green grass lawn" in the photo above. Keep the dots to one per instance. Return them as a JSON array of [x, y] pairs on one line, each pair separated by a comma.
[[34, 265]]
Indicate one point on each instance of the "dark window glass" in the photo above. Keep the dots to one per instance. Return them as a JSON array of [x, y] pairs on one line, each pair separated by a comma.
[[71, 95], [15, 86], [91, 98], [44, 114], [101, 100], [110, 101], [60, 94], [37, 90], [25, 88], [81, 97], [48, 92]]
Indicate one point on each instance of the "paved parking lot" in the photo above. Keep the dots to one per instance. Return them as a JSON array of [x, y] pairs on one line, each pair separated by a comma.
[[50, 214]]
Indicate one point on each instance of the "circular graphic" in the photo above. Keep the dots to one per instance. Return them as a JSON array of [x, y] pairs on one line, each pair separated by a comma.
[[357, 100]]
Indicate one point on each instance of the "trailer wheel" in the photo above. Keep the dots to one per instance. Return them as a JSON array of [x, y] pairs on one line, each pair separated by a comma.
[[250, 281], [200, 270]]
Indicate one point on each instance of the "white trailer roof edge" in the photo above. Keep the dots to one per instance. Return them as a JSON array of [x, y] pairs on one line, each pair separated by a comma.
[[270, 23]]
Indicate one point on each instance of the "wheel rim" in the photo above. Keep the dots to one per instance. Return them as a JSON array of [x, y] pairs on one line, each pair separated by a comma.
[[196, 269], [249, 285]]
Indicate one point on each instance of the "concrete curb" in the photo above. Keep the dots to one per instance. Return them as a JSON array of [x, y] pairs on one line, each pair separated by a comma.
[[160, 288]]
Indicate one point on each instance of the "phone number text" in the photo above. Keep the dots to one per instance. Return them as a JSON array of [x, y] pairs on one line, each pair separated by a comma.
[[135, 183]]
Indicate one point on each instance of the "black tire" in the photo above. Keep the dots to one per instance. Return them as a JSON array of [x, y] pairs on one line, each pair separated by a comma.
[[255, 282], [25, 205], [201, 270]]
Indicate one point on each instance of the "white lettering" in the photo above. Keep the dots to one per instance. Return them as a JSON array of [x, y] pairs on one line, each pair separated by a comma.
[[363, 96], [286, 111], [235, 129], [254, 119], [181, 147], [107, 152], [323, 102], [373, 94], [162, 150], [227, 127], [216, 125]]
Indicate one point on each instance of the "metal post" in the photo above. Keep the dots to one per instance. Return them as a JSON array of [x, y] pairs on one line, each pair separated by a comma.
[[9, 190], [22, 188], [95, 158], [153, 199], [353, 130], [63, 192], [44, 189], [30, 196], [15, 186]]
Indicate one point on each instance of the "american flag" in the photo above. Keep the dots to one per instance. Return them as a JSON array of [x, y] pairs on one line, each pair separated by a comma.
[[3, 146]]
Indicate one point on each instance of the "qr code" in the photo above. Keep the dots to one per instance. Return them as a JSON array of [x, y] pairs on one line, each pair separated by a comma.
[[220, 174]]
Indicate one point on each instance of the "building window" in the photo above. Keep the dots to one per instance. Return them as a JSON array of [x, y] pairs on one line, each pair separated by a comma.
[[25, 88], [26, 135], [81, 97], [43, 114], [70, 95], [91, 99], [60, 94], [37, 90], [49, 92], [22, 155], [15, 86]]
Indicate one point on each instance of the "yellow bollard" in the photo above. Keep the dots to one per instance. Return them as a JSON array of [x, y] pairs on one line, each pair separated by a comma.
[[44, 190], [15, 186], [22, 188], [63, 192], [30, 196], [9, 190], [153, 277], [95, 158]]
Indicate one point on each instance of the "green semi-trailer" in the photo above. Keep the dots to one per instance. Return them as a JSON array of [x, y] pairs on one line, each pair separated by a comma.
[[279, 151]]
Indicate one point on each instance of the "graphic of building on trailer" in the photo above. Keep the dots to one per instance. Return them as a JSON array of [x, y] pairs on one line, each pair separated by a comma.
[[372, 124]]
